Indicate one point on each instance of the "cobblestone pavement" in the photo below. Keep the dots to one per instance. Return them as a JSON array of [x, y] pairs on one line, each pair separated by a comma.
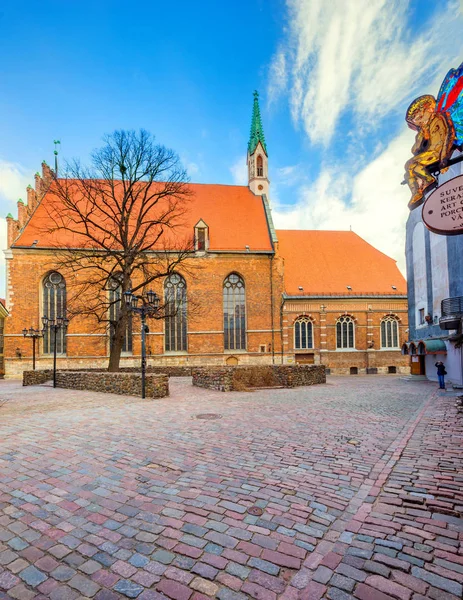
[[352, 489]]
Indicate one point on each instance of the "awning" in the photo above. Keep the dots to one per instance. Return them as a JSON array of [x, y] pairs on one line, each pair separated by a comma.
[[428, 346], [432, 346]]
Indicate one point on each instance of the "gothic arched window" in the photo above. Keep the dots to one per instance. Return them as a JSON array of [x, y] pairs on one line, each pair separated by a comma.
[[303, 333], [389, 332], [260, 166], [54, 306], [115, 298], [234, 313], [176, 314], [345, 332]]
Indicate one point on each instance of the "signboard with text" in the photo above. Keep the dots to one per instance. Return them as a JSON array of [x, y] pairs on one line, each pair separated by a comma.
[[443, 209]]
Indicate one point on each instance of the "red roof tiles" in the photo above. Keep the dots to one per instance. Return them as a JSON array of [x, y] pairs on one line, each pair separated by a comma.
[[235, 217], [326, 262]]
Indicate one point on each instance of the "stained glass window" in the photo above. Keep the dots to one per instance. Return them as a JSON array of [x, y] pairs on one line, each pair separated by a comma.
[[54, 306], [389, 332], [345, 332], [234, 313], [303, 333], [176, 314]]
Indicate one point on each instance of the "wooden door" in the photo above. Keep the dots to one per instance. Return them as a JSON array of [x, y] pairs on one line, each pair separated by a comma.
[[417, 365]]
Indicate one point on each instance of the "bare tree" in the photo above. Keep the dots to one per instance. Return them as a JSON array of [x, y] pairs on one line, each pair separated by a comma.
[[117, 225]]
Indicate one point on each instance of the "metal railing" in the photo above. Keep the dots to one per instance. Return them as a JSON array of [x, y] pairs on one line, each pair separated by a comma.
[[452, 306]]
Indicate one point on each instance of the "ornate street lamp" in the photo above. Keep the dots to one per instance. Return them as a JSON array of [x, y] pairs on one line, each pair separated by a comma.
[[34, 334], [149, 308], [54, 325]]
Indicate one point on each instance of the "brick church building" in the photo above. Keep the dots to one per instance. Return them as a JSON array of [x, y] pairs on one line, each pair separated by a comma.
[[268, 296]]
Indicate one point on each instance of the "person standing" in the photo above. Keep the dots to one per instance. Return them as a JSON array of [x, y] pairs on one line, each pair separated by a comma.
[[441, 372]]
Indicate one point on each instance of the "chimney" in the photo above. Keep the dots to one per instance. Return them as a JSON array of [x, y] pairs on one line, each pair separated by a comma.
[[32, 200], [47, 176], [13, 229]]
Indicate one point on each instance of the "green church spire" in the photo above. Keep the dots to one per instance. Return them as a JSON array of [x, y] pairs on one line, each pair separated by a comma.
[[257, 131]]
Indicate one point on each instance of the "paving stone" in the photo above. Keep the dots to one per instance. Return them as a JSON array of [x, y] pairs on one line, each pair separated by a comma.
[[63, 573], [163, 556], [7, 580], [33, 576], [128, 588], [337, 594], [344, 583], [174, 590], [185, 525], [264, 565], [85, 586], [437, 581], [322, 574]]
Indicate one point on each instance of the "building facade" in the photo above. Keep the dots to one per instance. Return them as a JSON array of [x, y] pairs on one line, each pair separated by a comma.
[[347, 309], [239, 291], [435, 294]]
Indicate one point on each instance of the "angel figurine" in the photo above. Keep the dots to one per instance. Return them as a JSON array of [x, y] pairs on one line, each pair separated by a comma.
[[439, 124]]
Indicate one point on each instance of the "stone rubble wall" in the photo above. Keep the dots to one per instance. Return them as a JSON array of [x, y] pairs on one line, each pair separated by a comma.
[[236, 378], [214, 378], [125, 384], [37, 377]]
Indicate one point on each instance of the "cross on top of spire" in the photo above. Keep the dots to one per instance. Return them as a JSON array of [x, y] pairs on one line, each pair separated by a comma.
[[257, 131]]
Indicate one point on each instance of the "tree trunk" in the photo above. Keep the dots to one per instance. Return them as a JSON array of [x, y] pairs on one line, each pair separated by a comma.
[[116, 348]]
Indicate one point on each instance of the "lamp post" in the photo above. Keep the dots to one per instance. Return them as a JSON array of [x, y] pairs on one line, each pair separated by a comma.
[[54, 325], [149, 308], [34, 334]]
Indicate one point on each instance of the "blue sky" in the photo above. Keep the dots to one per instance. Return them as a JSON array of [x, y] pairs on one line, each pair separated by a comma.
[[334, 78]]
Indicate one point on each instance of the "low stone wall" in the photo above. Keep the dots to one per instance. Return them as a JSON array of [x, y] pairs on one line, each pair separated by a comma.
[[37, 377], [214, 378], [125, 384], [236, 378], [297, 375]]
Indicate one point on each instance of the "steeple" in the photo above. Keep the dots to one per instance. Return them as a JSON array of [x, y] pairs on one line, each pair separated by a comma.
[[257, 131], [257, 159]]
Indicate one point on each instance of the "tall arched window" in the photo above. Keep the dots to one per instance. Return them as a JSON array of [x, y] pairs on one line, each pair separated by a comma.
[[176, 314], [115, 298], [303, 331], [234, 313], [54, 306], [345, 337], [389, 332], [260, 166]]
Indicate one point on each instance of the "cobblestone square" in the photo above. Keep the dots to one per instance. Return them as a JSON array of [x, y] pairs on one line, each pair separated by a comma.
[[353, 489]]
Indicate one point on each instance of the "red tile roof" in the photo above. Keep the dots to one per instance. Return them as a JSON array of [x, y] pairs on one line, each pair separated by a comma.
[[235, 217], [326, 262]]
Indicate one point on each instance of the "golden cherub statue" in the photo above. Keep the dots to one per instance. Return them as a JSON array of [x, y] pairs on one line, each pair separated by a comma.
[[433, 145], [439, 124]]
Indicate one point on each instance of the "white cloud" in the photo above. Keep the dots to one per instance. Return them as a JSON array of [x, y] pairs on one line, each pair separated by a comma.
[[377, 210], [239, 171], [360, 56], [13, 181]]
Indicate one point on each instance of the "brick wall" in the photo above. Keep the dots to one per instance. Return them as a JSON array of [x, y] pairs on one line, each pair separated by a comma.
[[87, 340], [367, 314]]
